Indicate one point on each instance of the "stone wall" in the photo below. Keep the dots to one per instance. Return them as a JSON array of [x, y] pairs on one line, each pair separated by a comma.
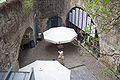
[[13, 23], [49, 8], [110, 45], [109, 33]]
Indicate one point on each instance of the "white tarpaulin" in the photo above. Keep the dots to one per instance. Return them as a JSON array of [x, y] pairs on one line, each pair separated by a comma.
[[59, 35], [48, 70]]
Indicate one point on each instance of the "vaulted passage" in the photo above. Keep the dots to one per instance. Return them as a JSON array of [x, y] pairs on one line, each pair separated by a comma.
[[26, 44], [54, 21]]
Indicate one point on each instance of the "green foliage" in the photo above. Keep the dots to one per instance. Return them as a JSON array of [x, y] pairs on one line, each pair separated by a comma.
[[98, 8], [105, 72], [106, 1], [87, 28], [27, 5]]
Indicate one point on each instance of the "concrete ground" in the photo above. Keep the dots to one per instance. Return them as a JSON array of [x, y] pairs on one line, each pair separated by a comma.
[[75, 58]]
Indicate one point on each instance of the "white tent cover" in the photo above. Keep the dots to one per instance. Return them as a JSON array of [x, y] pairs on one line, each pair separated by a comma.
[[48, 70], [59, 35]]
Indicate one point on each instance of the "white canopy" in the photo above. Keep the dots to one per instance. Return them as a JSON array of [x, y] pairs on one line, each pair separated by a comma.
[[48, 70], [59, 35]]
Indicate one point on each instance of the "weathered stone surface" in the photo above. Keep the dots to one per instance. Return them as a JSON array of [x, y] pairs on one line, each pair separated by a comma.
[[110, 40], [49, 8], [82, 73], [13, 23]]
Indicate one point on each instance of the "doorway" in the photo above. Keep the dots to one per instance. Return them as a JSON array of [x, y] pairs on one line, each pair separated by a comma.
[[54, 21]]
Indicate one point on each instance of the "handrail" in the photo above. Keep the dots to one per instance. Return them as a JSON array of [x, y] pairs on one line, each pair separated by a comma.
[[30, 75], [8, 74]]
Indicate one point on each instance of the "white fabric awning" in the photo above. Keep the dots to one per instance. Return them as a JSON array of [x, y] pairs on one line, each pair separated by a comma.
[[59, 35], [48, 70]]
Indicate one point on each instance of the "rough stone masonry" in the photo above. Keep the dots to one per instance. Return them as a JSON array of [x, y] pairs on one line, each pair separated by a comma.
[[13, 23]]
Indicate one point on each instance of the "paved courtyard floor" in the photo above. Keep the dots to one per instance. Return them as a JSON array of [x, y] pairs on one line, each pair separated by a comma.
[[76, 59]]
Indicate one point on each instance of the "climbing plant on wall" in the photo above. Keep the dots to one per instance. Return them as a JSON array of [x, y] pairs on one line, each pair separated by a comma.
[[27, 5], [106, 13], [101, 9]]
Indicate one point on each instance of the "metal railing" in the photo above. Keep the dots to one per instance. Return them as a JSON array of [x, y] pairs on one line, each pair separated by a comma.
[[16, 75]]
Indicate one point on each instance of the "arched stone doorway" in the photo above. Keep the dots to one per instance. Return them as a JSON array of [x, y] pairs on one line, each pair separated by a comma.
[[54, 21], [26, 44]]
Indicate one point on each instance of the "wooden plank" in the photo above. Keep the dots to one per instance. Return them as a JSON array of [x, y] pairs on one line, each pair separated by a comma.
[[88, 20], [88, 25], [80, 19], [92, 31], [77, 16], [73, 16], [70, 17], [84, 20]]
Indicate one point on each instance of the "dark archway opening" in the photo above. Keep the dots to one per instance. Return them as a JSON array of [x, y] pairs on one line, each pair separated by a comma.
[[54, 21], [26, 44]]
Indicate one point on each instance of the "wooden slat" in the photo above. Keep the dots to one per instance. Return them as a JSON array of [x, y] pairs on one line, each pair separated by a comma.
[[88, 24], [88, 20], [77, 16], [73, 16], [70, 17], [80, 19], [84, 20], [92, 30]]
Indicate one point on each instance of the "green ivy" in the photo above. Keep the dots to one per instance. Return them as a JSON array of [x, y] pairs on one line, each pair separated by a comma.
[[27, 5], [87, 28], [98, 8], [106, 1]]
